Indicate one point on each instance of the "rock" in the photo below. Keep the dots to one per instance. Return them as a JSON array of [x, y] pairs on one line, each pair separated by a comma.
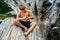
[[8, 31]]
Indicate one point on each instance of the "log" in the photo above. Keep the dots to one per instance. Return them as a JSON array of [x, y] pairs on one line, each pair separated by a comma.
[[9, 31]]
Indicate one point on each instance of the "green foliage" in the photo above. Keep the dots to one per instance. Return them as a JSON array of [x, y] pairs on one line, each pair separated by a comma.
[[4, 7], [2, 17], [44, 8], [25, 0], [46, 5], [6, 16], [58, 22], [43, 12]]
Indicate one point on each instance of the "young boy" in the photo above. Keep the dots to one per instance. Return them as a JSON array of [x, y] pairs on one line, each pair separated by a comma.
[[23, 20]]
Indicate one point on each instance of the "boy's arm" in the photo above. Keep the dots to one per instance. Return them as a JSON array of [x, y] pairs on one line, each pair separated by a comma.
[[31, 16], [18, 16]]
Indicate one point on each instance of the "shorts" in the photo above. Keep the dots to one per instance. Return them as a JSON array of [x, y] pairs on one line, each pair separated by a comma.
[[27, 24]]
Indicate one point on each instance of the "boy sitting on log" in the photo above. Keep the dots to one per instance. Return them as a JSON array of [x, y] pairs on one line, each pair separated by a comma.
[[23, 20]]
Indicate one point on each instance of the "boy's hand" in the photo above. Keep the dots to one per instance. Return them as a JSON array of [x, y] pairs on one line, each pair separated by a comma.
[[25, 19], [22, 18]]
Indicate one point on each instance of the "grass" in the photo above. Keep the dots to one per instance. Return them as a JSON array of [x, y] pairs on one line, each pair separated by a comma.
[[7, 15], [3, 17]]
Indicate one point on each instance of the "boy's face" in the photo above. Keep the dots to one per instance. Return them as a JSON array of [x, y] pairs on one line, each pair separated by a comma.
[[23, 10]]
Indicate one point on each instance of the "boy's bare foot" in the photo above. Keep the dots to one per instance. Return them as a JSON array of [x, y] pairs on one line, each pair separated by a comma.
[[26, 34]]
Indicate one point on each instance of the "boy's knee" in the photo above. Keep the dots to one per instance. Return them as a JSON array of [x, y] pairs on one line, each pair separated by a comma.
[[34, 23], [15, 21]]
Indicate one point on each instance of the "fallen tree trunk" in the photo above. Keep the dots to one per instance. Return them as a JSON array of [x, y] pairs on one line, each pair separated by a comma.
[[9, 31]]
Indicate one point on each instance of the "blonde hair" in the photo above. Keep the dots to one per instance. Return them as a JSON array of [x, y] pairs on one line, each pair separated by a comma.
[[22, 7]]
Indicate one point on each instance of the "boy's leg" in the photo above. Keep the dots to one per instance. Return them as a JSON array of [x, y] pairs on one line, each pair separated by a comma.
[[16, 22], [32, 26]]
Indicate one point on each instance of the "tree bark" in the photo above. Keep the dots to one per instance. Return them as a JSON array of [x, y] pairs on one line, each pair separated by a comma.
[[11, 32]]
